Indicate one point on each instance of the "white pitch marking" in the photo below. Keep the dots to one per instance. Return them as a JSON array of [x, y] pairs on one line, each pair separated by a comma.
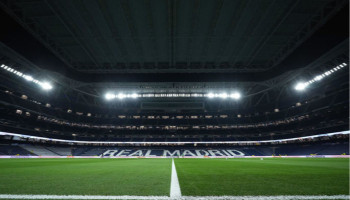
[[290, 197], [295, 197], [175, 190], [10, 196]]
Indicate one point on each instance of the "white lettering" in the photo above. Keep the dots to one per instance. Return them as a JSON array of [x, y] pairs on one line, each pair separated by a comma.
[[225, 152], [214, 152], [110, 153], [188, 152], [175, 153], [148, 153], [123, 152], [238, 153], [198, 152], [137, 153]]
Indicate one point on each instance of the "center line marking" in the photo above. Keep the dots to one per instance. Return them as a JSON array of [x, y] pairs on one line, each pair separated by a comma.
[[175, 191]]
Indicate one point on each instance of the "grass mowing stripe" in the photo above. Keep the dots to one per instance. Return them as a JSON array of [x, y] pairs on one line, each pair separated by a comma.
[[295, 197], [275, 176], [141, 177]]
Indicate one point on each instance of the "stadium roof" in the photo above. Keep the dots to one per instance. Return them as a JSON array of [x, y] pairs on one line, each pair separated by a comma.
[[172, 46], [175, 36]]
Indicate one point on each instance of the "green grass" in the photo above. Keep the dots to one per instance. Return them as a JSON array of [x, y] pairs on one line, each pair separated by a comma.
[[85, 176], [275, 176], [198, 177]]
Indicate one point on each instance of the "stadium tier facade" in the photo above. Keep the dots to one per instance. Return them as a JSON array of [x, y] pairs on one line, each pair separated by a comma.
[[312, 124]]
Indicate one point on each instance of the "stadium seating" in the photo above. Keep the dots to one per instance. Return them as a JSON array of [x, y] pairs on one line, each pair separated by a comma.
[[62, 151], [14, 150], [336, 148], [39, 150]]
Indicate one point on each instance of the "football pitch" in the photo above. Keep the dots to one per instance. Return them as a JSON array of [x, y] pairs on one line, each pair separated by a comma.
[[196, 177]]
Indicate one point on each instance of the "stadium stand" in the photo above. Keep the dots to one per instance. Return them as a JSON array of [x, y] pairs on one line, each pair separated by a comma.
[[14, 150], [39, 150], [62, 151], [330, 148], [93, 152]]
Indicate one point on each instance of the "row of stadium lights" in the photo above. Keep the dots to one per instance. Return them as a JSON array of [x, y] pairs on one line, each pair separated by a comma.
[[234, 95], [110, 96], [43, 85], [303, 85]]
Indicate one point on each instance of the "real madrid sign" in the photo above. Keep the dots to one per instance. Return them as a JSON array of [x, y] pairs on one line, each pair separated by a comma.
[[164, 152]]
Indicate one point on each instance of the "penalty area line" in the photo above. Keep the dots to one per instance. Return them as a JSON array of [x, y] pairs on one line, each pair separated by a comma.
[[288, 197]]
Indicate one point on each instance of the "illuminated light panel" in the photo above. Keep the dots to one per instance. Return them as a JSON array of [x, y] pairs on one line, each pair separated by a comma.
[[224, 95], [300, 86], [303, 85], [211, 95], [235, 95], [109, 96], [121, 96], [28, 78], [317, 78], [43, 84]]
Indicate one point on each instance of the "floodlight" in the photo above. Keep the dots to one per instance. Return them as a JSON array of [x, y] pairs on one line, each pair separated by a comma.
[[121, 96], [319, 77], [211, 95], [46, 85], [28, 78], [109, 96], [300, 86], [235, 95], [223, 95], [134, 95]]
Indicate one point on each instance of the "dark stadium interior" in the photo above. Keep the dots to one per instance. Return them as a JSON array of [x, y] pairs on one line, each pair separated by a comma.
[[260, 48]]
